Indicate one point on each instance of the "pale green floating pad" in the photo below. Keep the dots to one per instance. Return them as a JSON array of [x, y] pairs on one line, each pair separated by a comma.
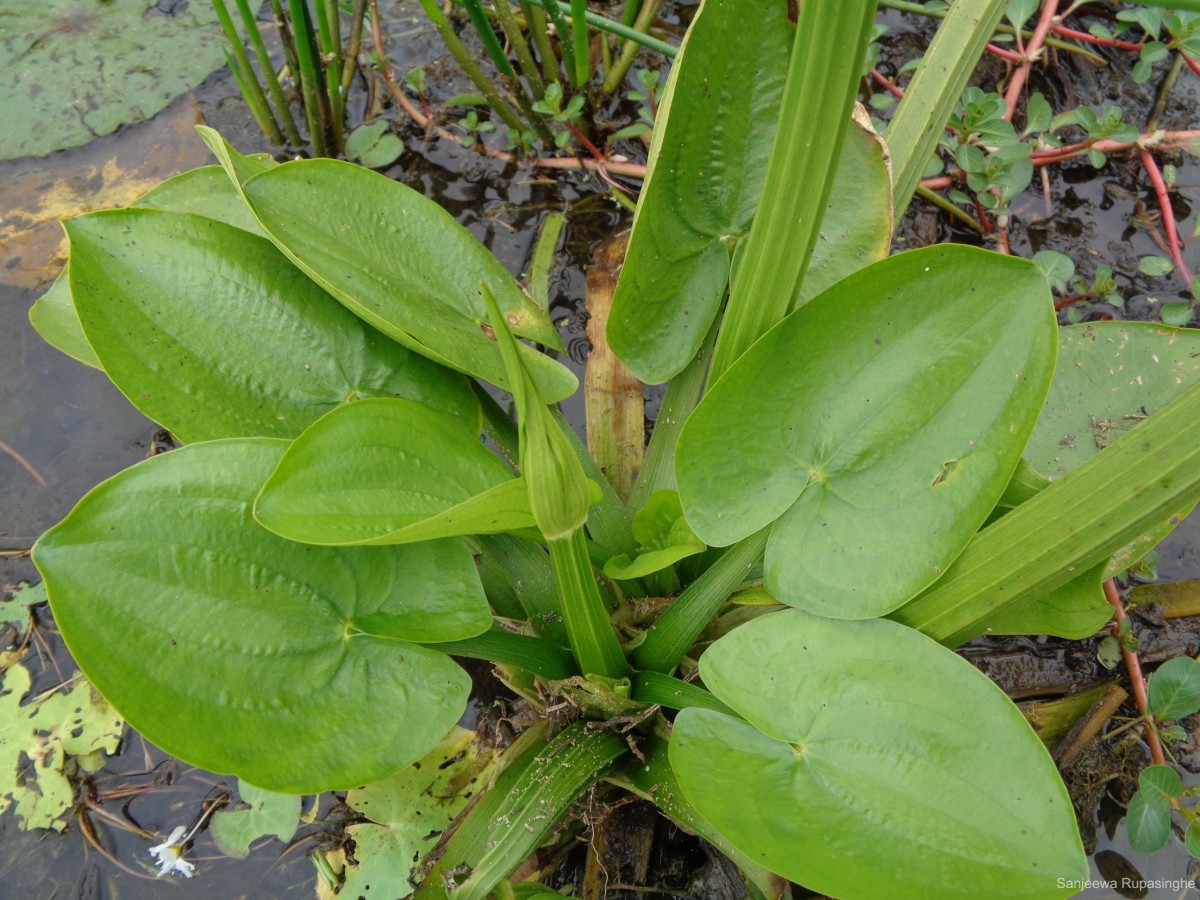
[[1110, 376], [75, 71]]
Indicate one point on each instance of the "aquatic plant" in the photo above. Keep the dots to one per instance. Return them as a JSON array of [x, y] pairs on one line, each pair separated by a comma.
[[281, 598]]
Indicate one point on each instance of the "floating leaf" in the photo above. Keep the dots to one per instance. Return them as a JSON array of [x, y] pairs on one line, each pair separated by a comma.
[[1178, 313], [876, 426], [1110, 376], [1161, 784], [198, 624], [409, 810], [859, 770], [1059, 267], [37, 738], [269, 815], [77, 71], [1148, 826], [156, 292], [1155, 266], [374, 145]]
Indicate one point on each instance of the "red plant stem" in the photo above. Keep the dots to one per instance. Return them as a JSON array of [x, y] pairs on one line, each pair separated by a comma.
[[1168, 214], [1005, 54], [1134, 666], [583, 139], [887, 84], [1067, 301], [1032, 50], [1063, 31]]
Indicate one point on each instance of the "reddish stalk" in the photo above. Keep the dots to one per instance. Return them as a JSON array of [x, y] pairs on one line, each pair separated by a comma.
[[1168, 214], [1067, 301], [1063, 31], [1134, 667], [1005, 54], [887, 84], [1032, 51]]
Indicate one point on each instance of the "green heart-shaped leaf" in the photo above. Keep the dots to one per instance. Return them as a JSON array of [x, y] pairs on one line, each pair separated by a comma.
[[292, 666], [398, 260], [873, 762], [390, 472], [876, 426], [158, 292]]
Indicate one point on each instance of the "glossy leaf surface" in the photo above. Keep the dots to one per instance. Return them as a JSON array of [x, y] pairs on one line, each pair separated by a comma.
[[703, 187], [390, 472], [876, 426], [199, 625], [403, 264], [862, 771], [158, 294], [53, 317], [204, 191]]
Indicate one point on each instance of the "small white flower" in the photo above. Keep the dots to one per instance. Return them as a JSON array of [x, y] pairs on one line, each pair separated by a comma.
[[169, 855]]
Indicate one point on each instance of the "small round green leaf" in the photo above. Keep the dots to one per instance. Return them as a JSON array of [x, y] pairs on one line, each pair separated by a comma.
[[1177, 314], [209, 330], [373, 145], [1148, 826], [1059, 267], [1160, 785], [876, 426], [389, 472], [294, 667], [1155, 266], [1191, 838], [873, 762], [1175, 689]]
